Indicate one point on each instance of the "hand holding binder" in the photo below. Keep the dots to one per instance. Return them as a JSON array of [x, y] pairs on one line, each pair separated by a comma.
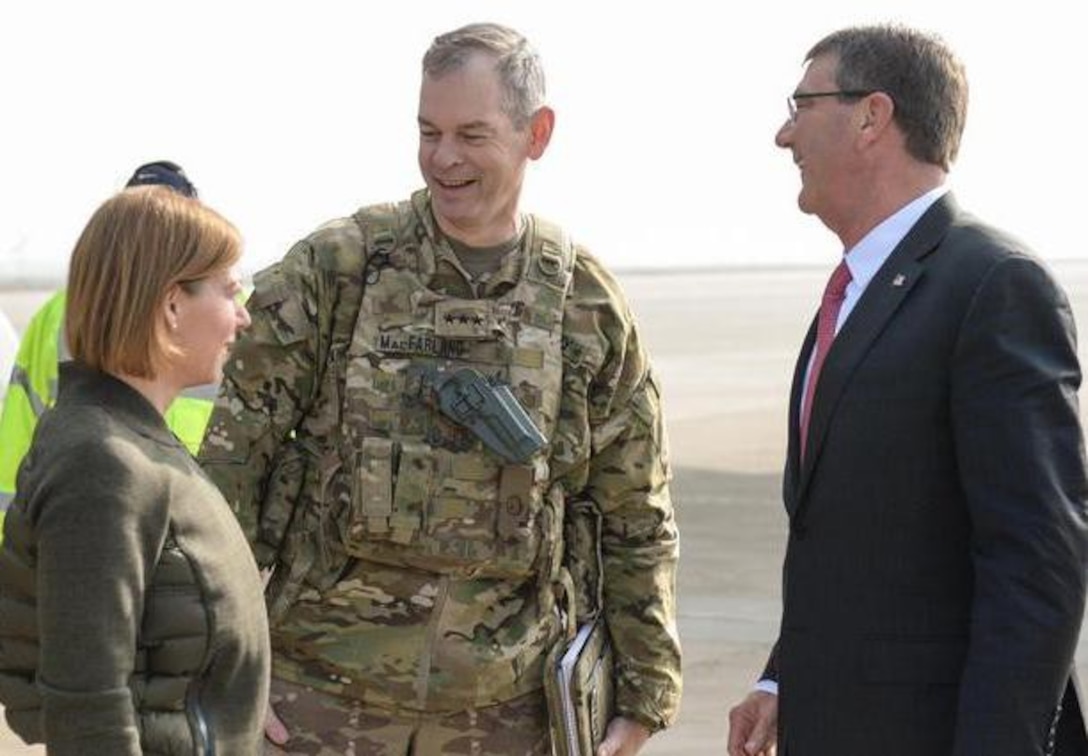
[[578, 685]]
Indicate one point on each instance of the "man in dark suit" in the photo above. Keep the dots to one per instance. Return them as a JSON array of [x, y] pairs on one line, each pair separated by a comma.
[[934, 580]]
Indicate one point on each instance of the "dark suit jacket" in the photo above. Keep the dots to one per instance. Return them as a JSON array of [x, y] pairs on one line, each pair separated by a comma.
[[935, 573]]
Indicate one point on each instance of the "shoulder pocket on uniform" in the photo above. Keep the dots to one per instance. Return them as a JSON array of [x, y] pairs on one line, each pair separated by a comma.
[[647, 403], [281, 304]]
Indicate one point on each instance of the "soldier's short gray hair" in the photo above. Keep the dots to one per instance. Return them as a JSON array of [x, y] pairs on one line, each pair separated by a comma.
[[516, 61]]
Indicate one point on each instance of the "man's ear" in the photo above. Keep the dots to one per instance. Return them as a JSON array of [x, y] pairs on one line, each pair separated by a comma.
[[540, 131], [877, 113]]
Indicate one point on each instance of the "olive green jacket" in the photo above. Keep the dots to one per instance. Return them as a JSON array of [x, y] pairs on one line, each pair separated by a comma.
[[131, 610]]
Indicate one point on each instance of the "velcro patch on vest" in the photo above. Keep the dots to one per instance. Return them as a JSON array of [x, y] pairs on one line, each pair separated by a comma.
[[458, 319], [428, 345], [516, 482], [383, 419], [515, 497], [470, 467], [501, 354]]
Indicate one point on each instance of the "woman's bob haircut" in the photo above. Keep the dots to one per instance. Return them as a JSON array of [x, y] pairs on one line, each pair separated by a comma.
[[136, 247]]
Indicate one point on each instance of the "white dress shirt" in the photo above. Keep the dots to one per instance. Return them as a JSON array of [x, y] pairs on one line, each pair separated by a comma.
[[866, 257]]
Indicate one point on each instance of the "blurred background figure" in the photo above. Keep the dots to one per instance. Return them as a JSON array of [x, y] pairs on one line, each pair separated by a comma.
[[33, 383], [9, 343], [114, 519]]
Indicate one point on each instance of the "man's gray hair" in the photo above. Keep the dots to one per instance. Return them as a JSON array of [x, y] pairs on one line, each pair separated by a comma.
[[520, 70]]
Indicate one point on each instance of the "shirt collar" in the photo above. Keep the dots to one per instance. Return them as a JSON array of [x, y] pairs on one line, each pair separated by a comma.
[[865, 258]]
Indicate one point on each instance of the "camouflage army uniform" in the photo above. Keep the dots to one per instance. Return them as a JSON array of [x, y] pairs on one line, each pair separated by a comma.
[[335, 726], [416, 570]]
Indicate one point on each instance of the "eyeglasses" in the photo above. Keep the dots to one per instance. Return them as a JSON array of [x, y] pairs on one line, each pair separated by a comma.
[[846, 94]]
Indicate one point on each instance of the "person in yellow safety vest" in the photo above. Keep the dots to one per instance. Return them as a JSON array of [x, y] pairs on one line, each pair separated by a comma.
[[9, 343], [33, 385]]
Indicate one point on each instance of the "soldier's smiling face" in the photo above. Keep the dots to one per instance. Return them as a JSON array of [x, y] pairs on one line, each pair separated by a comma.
[[472, 155]]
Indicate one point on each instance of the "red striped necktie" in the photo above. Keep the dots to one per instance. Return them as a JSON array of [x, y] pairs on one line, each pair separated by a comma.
[[834, 294]]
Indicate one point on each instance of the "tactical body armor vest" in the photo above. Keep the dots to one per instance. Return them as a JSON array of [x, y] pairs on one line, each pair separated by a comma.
[[427, 493], [387, 483]]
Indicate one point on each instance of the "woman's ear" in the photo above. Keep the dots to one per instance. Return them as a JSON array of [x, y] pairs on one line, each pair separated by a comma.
[[170, 305]]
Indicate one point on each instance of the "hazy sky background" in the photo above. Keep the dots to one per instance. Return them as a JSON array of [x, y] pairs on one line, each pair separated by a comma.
[[288, 114]]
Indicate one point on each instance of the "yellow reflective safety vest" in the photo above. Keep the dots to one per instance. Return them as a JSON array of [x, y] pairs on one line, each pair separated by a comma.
[[33, 389]]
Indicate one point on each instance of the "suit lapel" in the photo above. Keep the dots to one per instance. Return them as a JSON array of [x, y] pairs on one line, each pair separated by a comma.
[[885, 293], [791, 479]]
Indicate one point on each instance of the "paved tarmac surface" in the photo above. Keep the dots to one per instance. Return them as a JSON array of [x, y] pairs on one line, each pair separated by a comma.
[[724, 344]]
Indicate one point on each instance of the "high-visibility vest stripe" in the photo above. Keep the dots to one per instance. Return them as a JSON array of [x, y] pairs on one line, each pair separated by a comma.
[[20, 378]]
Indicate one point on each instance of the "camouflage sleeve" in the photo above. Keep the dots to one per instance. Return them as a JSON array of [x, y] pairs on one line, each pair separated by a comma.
[[628, 478], [268, 382]]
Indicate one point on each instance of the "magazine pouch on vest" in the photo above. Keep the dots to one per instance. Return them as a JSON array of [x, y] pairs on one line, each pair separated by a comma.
[[295, 527]]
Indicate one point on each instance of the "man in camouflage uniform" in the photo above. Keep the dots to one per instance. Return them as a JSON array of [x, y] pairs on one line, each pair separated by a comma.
[[420, 567]]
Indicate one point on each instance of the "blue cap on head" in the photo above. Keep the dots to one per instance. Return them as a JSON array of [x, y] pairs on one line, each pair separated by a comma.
[[163, 173]]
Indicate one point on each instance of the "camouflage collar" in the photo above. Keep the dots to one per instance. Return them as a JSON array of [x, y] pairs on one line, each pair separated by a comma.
[[440, 265]]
